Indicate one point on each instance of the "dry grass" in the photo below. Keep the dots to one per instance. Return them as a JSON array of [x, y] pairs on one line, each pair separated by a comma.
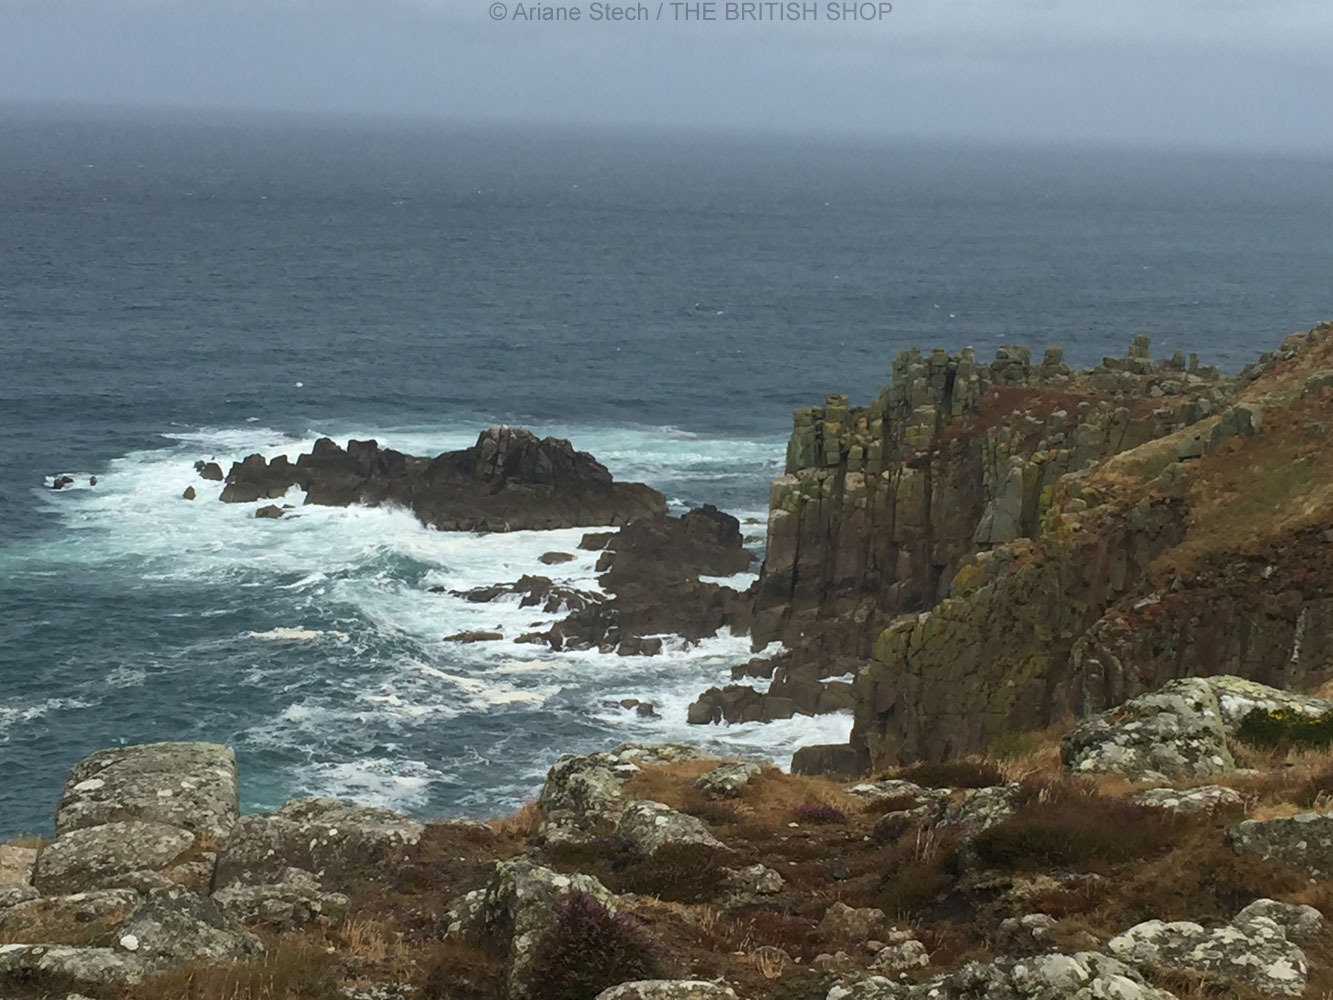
[[521, 824], [295, 968], [32, 842]]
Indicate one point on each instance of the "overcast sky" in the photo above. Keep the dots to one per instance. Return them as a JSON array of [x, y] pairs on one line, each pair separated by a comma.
[[1220, 72]]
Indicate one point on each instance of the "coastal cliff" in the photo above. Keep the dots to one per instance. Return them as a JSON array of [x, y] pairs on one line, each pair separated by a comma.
[[1007, 545]]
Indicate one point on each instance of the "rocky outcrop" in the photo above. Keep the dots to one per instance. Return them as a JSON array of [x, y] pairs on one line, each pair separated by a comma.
[[510, 480], [327, 837], [1176, 732], [999, 542], [187, 785]]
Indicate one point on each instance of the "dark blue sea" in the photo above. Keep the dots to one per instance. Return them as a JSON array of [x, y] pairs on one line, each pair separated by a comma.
[[176, 287]]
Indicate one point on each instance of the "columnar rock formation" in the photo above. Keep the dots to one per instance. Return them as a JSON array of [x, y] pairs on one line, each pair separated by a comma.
[[973, 535]]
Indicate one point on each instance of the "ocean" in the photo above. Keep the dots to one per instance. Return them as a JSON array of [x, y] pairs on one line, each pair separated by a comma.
[[176, 287]]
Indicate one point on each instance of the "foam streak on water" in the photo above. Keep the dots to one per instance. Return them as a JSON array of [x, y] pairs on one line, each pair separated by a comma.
[[313, 644]]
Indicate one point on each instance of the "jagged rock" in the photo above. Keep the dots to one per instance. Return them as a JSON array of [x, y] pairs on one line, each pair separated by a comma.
[[845, 923], [668, 989], [508, 481], [176, 925], [209, 470], [474, 636], [1251, 949], [16, 865], [1300, 922], [646, 827], [282, 906], [1175, 732], [727, 779], [79, 858], [1202, 798], [189, 493], [1304, 841], [515, 911], [189, 785], [534, 591], [328, 837], [30, 921]]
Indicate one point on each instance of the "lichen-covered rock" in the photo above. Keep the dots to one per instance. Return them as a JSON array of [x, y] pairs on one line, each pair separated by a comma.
[[1080, 976], [1304, 841], [516, 909], [901, 957], [175, 926], [331, 838], [1300, 922], [646, 827], [668, 989], [751, 884], [981, 809], [1203, 798], [16, 865], [727, 779], [81, 858], [65, 966], [870, 988], [50, 919], [1174, 732], [13, 895], [1251, 949], [190, 785], [1238, 697], [584, 793], [282, 906], [897, 788], [846, 923]]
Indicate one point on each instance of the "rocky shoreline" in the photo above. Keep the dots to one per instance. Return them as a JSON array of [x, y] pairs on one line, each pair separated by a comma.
[[1082, 620]]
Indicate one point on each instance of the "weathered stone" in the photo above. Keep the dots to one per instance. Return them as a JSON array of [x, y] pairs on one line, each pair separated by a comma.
[[1175, 732], [25, 965], [176, 925], [727, 779], [668, 989], [272, 511], [646, 827], [750, 884], [1237, 697], [516, 909], [981, 809], [845, 923], [1253, 950], [80, 858], [1300, 922], [16, 865], [281, 906], [1202, 798], [13, 895], [189, 785], [33, 922], [902, 957], [1304, 841], [331, 838]]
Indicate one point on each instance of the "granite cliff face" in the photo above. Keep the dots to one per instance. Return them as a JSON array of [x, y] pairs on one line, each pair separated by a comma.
[[1009, 544]]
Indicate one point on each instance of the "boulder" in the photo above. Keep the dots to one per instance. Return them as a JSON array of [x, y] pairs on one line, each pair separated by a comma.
[[727, 779], [188, 785], [1237, 697], [516, 909], [1252, 949], [1174, 732], [749, 885], [1300, 922], [646, 827], [68, 967], [1304, 841], [668, 989], [902, 956], [189, 493], [175, 926], [555, 558], [1202, 798], [331, 838], [851, 924], [83, 858], [16, 865]]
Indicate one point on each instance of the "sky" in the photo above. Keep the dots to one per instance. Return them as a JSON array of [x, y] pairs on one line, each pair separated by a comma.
[[1248, 75]]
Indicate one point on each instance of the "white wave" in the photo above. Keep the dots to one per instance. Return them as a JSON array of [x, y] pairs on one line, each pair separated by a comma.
[[284, 633], [737, 581], [377, 781]]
